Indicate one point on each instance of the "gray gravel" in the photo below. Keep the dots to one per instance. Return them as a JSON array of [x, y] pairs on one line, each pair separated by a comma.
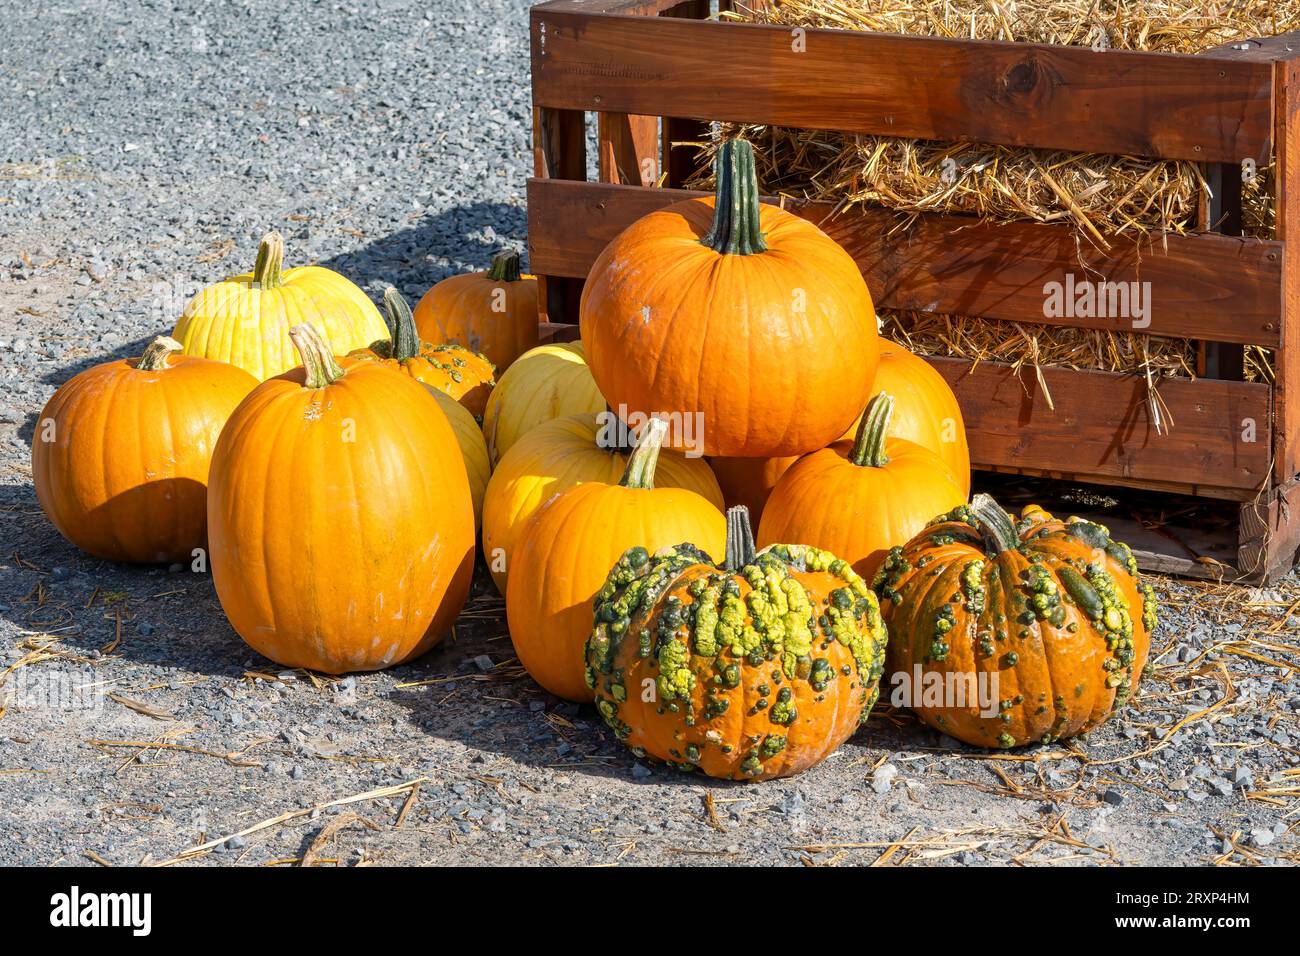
[[389, 140]]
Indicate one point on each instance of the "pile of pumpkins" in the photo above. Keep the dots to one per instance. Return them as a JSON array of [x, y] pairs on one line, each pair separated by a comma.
[[336, 466]]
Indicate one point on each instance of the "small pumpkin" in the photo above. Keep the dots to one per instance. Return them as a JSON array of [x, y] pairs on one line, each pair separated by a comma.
[[339, 514], [566, 549], [1047, 621], [859, 499], [925, 409], [121, 453], [245, 319], [547, 382], [466, 376], [736, 311], [493, 312], [749, 481], [473, 449], [556, 456], [756, 669]]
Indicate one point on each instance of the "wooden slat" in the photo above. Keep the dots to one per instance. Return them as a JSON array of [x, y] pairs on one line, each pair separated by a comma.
[[1260, 50], [1209, 287], [1286, 203], [1101, 425], [1270, 533], [1147, 104], [629, 149], [560, 153]]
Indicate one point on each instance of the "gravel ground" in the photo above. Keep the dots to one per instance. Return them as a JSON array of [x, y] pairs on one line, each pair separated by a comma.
[[389, 140]]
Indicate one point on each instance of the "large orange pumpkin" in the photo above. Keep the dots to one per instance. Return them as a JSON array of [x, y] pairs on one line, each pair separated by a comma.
[[760, 668], [859, 499], [339, 514], [749, 481], [566, 550], [734, 311], [1007, 633], [493, 312], [121, 453], [925, 409], [557, 455]]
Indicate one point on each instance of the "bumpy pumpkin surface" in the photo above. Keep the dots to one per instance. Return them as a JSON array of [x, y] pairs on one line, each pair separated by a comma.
[[757, 669], [121, 452], [245, 320], [738, 312], [556, 456], [457, 372], [550, 381], [340, 517], [493, 312], [1050, 614]]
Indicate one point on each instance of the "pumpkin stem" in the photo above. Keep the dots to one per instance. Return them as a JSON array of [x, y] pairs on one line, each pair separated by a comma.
[[270, 260], [401, 324], [735, 207], [740, 539], [640, 471], [156, 352], [505, 267], [317, 358], [994, 524], [869, 443]]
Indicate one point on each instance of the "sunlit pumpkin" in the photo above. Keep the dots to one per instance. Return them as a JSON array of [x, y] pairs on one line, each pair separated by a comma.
[[550, 381], [493, 312], [1012, 632], [735, 311], [339, 515], [121, 452], [566, 549], [749, 481], [473, 449], [757, 668], [245, 320]]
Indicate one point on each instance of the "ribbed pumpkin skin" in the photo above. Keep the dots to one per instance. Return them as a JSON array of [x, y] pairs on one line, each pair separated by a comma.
[[926, 411], [550, 381], [564, 554], [126, 475], [235, 322], [333, 554], [459, 310], [714, 706], [473, 449], [721, 337], [457, 372], [556, 456], [1060, 671], [749, 481]]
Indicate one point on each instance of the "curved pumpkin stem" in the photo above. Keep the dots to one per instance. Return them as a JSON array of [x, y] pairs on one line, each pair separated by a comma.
[[735, 207], [401, 325], [994, 524], [270, 260], [156, 352], [740, 539], [505, 267], [317, 357], [869, 443], [640, 471]]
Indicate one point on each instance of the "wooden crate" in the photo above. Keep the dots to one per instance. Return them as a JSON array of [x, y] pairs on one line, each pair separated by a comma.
[[653, 73]]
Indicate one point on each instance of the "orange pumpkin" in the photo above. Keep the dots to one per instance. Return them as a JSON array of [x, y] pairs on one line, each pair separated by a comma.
[[749, 481], [1008, 633], [858, 500], [556, 456], [925, 409], [757, 669], [493, 312], [121, 452], [339, 514], [464, 375], [740, 313], [566, 549]]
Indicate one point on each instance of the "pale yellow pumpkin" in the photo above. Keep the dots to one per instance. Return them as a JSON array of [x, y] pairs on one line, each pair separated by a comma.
[[472, 448], [547, 382]]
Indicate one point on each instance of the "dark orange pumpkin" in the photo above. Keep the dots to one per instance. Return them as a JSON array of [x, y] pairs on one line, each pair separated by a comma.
[[749, 481]]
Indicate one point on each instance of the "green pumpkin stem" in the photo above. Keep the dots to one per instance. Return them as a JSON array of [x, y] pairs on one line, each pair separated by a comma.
[[318, 360], [401, 325], [994, 524], [505, 267], [735, 208], [869, 443], [740, 539], [156, 352], [270, 260], [640, 471]]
